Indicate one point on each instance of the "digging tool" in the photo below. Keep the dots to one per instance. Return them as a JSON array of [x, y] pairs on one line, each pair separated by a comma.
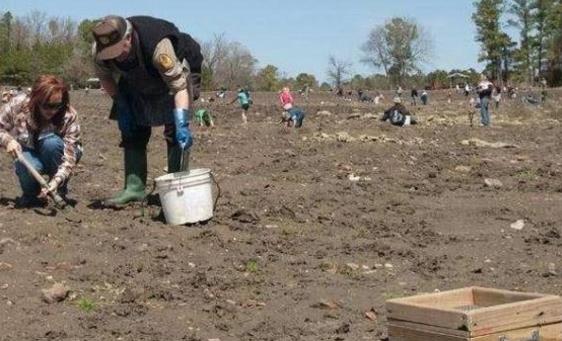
[[184, 160], [59, 201]]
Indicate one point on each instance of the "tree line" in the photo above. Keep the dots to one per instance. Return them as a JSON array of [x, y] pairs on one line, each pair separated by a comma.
[[397, 50], [535, 54]]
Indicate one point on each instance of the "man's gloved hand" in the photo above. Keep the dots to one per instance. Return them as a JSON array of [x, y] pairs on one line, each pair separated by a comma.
[[183, 134]]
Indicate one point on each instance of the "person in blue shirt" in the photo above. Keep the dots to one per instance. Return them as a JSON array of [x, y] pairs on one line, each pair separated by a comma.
[[245, 101], [293, 117]]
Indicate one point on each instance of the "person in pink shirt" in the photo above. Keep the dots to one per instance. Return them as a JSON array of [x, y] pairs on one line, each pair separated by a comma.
[[286, 98]]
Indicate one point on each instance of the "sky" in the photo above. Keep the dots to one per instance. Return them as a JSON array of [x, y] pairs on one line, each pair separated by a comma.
[[294, 35]]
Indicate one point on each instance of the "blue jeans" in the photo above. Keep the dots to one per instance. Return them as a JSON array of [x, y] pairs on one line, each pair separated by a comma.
[[46, 159], [484, 112]]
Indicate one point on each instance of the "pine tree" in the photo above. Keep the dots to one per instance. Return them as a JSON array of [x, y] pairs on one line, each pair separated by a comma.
[[495, 43]]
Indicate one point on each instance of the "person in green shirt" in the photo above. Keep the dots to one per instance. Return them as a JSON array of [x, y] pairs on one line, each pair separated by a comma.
[[245, 101], [203, 117]]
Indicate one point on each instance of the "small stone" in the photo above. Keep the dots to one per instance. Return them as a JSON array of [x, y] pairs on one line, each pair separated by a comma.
[[5, 266], [364, 267], [371, 315], [518, 225], [552, 269], [324, 113], [326, 304], [352, 266], [231, 302], [58, 292], [463, 169], [353, 177], [388, 266], [378, 266], [10, 303], [191, 265], [493, 183], [344, 137], [4, 286]]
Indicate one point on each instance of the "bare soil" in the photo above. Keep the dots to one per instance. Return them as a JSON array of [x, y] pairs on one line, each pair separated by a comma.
[[314, 229]]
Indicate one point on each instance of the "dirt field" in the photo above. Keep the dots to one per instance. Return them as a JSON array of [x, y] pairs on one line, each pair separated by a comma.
[[314, 228]]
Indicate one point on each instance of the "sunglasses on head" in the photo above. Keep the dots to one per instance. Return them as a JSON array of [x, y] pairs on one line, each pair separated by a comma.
[[52, 105]]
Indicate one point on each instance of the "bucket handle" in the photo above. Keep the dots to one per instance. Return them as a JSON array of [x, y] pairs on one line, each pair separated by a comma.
[[218, 191]]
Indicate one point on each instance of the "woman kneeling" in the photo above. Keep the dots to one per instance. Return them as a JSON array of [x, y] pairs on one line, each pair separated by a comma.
[[43, 128]]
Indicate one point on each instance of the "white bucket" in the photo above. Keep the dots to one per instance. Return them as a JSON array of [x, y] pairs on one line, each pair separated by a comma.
[[186, 197]]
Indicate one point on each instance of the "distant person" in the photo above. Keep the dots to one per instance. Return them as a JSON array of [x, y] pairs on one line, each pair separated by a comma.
[[244, 100], [203, 118], [473, 106], [467, 89], [414, 96], [293, 117], [378, 98], [399, 91], [543, 85], [398, 115], [305, 91], [497, 95], [449, 96], [43, 127], [484, 90], [286, 98], [424, 97]]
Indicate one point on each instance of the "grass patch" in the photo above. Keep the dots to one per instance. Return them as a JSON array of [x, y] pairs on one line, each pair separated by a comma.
[[526, 174], [86, 304], [252, 266]]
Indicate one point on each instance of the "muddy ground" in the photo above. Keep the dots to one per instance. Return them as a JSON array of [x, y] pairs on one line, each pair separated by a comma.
[[314, 228]]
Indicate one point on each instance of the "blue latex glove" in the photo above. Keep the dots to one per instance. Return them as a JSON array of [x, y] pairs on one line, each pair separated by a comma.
[[183, 134]]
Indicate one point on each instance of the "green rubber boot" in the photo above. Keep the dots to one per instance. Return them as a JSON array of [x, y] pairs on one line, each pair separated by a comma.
[[175, 156], [135, 178]]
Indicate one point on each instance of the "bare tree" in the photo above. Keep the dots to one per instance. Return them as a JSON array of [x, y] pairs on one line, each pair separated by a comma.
[[338, 70], [214, 52], [399, 47], [238, 67], [37, 22], [20, 35], [226, 64], [61, 30], [376, 51]]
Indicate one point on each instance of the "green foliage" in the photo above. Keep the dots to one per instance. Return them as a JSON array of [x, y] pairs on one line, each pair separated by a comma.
[[86, 304], [305, 79], [494, 42], [399, 47], [267, 79], [53, 46], [252, 266]]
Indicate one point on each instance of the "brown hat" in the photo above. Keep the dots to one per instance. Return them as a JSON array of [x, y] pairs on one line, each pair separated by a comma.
[[109, 33]]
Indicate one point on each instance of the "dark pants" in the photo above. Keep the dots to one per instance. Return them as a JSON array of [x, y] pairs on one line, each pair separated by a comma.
[[139, 136]]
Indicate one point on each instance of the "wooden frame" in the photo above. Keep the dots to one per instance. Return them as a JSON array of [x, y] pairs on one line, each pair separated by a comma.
[[474, 313]]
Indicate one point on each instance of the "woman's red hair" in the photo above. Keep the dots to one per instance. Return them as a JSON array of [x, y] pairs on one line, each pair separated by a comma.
[[43, 88]]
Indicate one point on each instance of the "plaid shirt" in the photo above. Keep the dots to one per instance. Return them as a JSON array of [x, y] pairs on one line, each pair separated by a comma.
[[15, 124]]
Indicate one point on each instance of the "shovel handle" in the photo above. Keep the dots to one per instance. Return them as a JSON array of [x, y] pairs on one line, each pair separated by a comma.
[[59, 202]]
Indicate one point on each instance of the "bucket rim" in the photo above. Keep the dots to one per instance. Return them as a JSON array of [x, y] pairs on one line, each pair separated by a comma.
[[182, 175]]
